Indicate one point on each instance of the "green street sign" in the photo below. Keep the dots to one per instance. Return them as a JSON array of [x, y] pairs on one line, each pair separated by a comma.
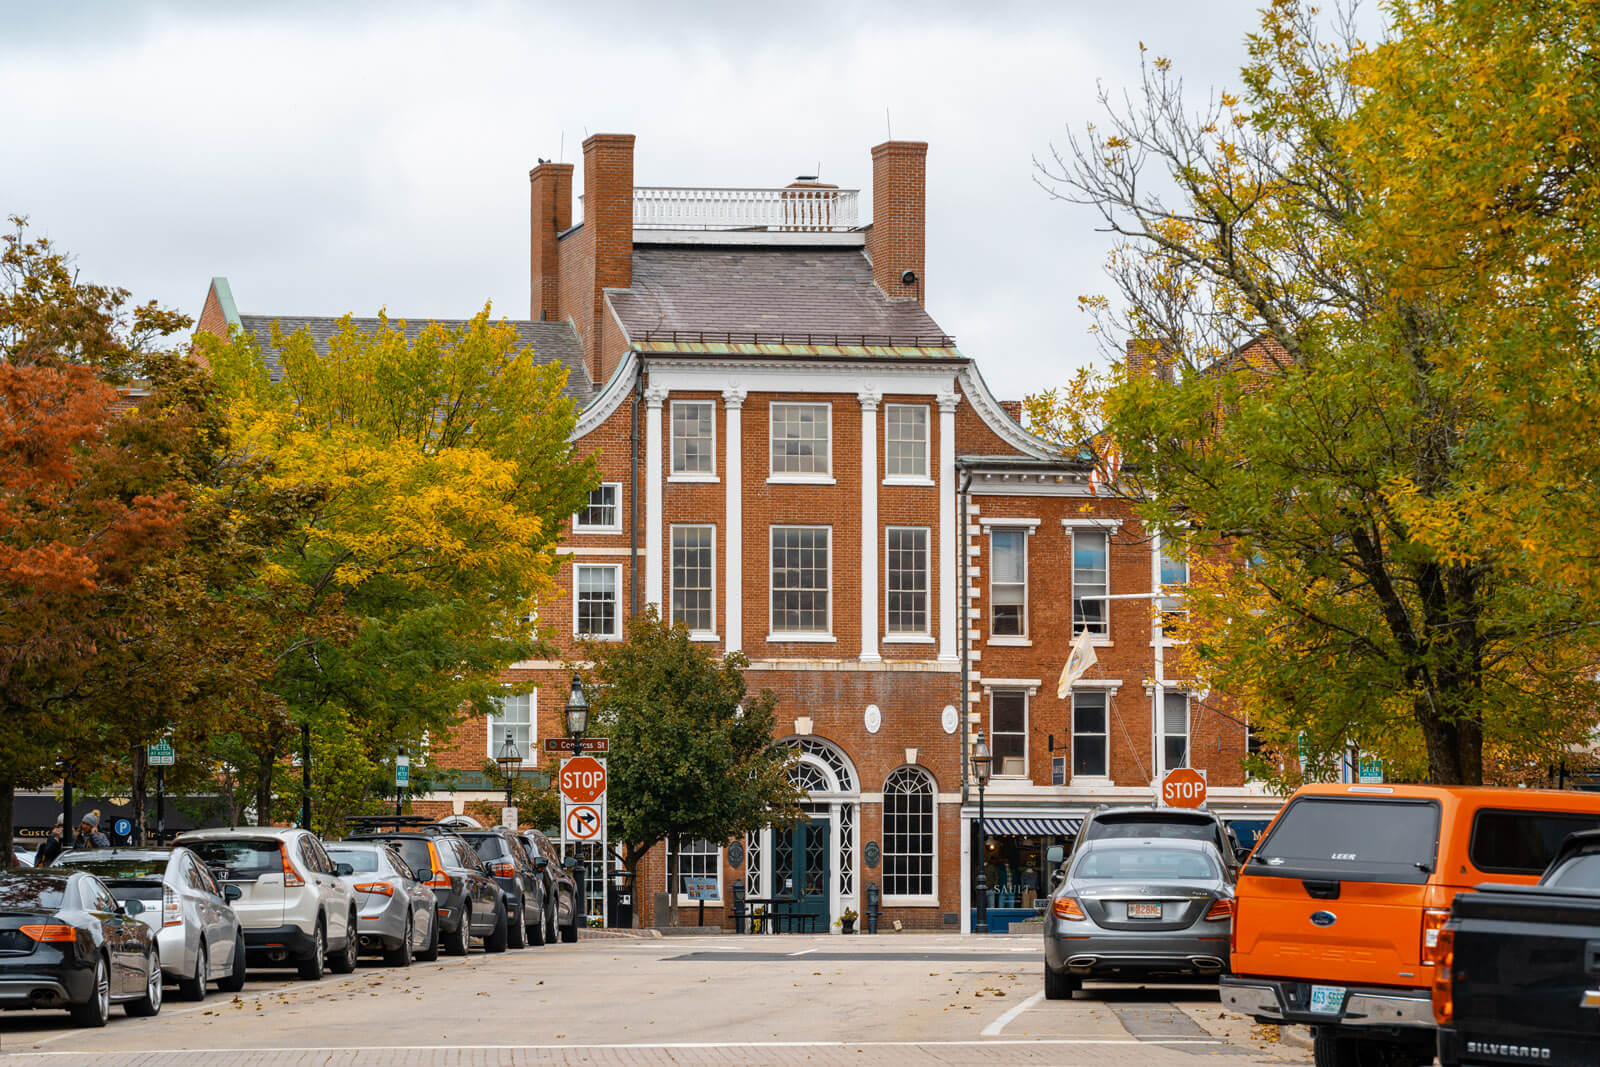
[[402, 771], [161, 754]]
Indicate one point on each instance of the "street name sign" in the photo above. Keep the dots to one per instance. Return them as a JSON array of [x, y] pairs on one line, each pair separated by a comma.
[[594, 745], [161, 754], [585, 822], [583, 779], [1183, 787]]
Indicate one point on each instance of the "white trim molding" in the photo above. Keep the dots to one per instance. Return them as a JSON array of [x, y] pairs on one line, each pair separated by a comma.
[[733, 508]]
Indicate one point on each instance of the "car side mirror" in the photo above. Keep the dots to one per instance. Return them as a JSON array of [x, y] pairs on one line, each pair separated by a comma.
[[570, 863], [342, 869], [132, 908], [424, 874], [231, 893], [1054, 855], [1241, 853], [540, 863]]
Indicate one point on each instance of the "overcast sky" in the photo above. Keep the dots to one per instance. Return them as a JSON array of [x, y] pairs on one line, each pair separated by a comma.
[[341, 157]]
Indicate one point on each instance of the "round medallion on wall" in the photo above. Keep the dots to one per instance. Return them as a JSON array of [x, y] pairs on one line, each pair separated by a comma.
[[869, 855], [951, 718], [736, 855], [874, 718]]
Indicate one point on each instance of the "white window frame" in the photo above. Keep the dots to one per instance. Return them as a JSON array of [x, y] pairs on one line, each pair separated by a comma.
[[1104, 735], [673, 473], [926, 477], [579, 526], [925, 634], [1027, 711], [616, 570], [1162, 734], [916, 900], [707, 634], [1009, 639], [799, 477], [1175, 605], [497, 727], [774, 635], [683, 899], [1072, 580]]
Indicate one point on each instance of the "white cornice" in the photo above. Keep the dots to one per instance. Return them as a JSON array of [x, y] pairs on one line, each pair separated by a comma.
[[610, 398], [989, 409]]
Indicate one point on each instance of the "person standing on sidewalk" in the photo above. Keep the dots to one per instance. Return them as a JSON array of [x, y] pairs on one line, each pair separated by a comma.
[[50, 847], [89, 832]]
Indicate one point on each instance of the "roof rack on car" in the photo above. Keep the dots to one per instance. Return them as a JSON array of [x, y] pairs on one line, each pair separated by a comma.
[[398, 822]]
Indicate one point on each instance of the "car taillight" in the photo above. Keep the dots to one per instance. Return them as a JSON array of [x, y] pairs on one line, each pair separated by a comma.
[[171, 913], [49, 932], [379, 888], [1067, 908], [1444, 1003], [1221, 908], [291, 876], [502, 870], [1433, 920], [440, 879]]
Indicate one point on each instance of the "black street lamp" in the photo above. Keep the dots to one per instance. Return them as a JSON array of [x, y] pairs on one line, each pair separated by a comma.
[[982, 760], [577, 723], [509, 758]]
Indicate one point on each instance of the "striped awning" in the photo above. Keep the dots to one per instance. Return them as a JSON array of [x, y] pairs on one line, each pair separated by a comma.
[[1032, 827]]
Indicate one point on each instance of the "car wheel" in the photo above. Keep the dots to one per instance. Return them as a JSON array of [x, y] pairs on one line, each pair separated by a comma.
[[1060, 986], [569, 933], [460, 942], [401, 957], [194, 987], [345, 962], [501, 935], [97, 1009], [1332, 1049], [150, 1003], [551, 934], [536, 931], [235, 979], [431, 951], [517, 931], [311, 967]]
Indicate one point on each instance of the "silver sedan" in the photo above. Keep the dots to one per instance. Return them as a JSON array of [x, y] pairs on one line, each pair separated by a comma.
[[187, 911], [1137, 908], [397, 911]]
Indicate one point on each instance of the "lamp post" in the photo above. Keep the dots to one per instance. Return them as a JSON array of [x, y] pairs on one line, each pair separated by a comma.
[[577, 723], [981, 761], [402, 777], [509, 758]]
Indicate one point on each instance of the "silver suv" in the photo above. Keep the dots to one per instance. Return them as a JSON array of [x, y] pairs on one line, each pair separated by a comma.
[[295, 908]]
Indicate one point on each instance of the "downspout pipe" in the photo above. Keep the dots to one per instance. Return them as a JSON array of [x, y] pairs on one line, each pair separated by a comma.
[[963, 623], [633, 490]]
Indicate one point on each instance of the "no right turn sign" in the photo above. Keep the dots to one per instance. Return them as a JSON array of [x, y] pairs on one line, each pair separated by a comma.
[[584, 822]]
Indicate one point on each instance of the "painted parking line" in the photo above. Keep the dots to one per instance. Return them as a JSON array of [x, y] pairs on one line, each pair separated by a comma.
[[803, 952], [621, 1046], [995, 1028]]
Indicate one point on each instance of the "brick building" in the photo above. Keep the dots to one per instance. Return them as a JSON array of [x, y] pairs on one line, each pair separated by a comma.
[[799, 463]]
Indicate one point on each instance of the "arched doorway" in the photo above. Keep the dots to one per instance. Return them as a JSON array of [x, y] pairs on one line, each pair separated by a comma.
[[813, 859]]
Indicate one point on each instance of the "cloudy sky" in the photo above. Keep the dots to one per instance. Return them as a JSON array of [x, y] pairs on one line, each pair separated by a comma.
[[333, 157]]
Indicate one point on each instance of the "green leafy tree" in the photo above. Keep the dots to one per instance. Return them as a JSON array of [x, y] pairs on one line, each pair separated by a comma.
[[691, 749]]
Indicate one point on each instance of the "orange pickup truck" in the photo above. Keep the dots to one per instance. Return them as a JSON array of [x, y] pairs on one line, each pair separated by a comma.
[[1338, 911]]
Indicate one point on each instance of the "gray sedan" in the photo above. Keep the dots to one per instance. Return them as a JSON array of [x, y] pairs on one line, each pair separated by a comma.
[[188, 913], [1134, 908], [397, 911]]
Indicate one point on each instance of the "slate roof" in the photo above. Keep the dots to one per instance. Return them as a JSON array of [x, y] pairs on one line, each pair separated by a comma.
[[550, 341], [772, 294]]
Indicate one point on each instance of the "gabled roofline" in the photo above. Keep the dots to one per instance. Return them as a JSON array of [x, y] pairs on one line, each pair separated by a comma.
[[617, 389], [997, 419], [224, 291]]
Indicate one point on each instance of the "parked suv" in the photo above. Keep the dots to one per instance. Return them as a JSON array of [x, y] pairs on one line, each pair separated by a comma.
[[1190, 824], [561, 887], [292, 904], [507, 859], [1339, 910], [470, 904]]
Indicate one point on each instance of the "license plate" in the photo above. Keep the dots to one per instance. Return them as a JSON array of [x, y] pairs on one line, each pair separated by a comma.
[[1144, 911], [1327, 999]]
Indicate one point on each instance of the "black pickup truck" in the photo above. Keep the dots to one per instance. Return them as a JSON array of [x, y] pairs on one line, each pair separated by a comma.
[[1520, 979]]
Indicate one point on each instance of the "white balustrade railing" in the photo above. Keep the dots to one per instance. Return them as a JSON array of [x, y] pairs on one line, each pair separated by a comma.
[[798, 209]]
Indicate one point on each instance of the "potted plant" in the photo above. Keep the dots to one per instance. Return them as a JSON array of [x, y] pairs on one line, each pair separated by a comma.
[[847, 921]]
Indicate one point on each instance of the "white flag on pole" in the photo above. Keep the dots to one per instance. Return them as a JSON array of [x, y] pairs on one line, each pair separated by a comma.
[[1078, 663]]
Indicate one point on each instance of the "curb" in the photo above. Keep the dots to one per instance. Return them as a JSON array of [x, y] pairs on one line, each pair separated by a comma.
[[615, 934], [1295, 1037]]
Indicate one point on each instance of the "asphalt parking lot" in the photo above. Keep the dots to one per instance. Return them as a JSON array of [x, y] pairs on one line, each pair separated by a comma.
[[794, 999]]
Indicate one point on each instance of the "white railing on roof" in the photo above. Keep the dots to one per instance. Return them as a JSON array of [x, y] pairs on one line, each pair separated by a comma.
[[799, 209]]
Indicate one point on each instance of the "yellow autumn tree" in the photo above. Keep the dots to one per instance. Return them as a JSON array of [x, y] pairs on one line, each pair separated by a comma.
[[1361, 295]]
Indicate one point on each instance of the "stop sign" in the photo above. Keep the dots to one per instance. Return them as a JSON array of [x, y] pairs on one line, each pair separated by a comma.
[[583, 779], [1183, 787]]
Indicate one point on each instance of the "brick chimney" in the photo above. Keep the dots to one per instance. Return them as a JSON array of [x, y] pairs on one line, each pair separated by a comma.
[[550, 214], [895, 244], [1152, 357], [608, 237]]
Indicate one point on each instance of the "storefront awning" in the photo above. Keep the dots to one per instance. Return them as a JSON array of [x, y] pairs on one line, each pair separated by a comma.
[[1032, 827]]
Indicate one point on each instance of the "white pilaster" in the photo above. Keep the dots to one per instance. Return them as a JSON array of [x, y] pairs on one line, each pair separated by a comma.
[[869, 398], [653, 510], [947, 524], [733, 523]]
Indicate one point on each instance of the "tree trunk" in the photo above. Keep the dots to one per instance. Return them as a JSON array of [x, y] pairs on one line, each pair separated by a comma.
[[137, 755], [674, 861], [8, 793], [264, 763]]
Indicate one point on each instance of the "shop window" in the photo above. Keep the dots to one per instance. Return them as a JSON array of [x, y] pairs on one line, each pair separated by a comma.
[[908, 834], [697, 858]]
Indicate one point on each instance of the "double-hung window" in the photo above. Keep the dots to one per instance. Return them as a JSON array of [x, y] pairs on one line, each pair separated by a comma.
[[801, 436], [693, 438], [1174, 730], [906, 558], [801, 579], [1090, 570], [1008, 582], [1173, 574], [1089, 734], [603, 512], [1008, 729], [692, 578], [596, 607], [517, 712], [905, 442]]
